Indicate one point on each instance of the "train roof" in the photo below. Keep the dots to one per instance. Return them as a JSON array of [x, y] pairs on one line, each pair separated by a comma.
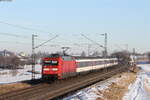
[[79, 58], [86, 60], [76, 57]]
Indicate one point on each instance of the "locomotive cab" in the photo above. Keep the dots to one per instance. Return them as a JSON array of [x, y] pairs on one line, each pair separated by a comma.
[[58, 67], [50, 67]]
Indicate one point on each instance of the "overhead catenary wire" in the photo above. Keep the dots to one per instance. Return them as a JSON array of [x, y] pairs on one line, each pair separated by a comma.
[[45, 42], [19, 36], [15, 42], [23, 27], [92, 40], [14, 35]]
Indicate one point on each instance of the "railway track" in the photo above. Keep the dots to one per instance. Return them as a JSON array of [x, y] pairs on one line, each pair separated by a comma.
[[58, 88]]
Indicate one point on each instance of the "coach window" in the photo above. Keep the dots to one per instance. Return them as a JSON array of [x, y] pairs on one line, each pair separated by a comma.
[[99, 62], [81, 64], [88, 63]]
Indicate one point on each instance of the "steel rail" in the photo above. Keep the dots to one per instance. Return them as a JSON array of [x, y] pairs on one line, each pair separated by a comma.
[[73, 87]]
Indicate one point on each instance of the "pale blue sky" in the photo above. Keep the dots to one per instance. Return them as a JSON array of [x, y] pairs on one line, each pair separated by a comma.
[[125, 21]]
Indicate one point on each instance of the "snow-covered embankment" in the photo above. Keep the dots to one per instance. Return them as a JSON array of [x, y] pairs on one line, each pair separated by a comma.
[[140, 89]]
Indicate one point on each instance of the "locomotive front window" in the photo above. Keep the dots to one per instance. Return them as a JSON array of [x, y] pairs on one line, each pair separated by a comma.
[[51, 62]]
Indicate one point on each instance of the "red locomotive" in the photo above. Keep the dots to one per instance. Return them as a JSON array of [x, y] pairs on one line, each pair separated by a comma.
[[60, 67]]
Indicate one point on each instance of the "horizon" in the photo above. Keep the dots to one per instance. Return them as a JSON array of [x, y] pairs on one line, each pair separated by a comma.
[[126, 23]]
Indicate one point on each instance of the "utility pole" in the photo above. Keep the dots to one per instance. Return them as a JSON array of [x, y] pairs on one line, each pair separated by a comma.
[[33, 56], [33, 52], [134, 56], [96, 42], [105, 45], [105, 51], [89, 46], [5, 58], [126, 47]]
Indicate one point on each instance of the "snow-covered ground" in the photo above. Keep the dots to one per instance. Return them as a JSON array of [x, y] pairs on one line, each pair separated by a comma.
[[12, 76], [140, 89], [92, 92]]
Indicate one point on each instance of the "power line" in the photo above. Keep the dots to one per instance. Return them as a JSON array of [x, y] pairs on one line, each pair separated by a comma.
[[92, 40], [45, 42], [13, 35], [51, 45], [19, 36], [22, 27], [15, 42]]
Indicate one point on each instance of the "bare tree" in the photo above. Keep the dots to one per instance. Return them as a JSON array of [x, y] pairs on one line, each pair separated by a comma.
[[95, 54], [83, 54], [122, 56]]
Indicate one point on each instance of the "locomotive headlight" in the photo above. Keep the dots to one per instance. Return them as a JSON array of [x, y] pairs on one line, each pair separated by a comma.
[[54, 69], [46, 69]]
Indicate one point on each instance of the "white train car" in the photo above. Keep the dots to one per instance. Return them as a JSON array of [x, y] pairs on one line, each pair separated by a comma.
[[84, 65]]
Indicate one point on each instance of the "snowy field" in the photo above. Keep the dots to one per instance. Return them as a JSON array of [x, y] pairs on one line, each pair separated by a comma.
[[92, 92], [140, 89], [12, 76]]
